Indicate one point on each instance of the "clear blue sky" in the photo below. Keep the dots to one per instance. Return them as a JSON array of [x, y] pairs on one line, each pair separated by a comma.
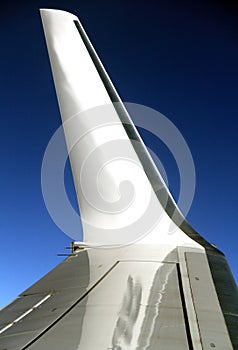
[[180, 58]]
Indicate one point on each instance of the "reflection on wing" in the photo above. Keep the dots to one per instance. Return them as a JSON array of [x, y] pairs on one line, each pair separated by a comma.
[[128, 313]]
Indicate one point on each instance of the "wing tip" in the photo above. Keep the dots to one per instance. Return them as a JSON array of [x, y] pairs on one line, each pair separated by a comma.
[[56, 12]]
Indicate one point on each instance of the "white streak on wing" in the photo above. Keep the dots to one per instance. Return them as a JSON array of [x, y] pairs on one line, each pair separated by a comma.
[[25, 313]]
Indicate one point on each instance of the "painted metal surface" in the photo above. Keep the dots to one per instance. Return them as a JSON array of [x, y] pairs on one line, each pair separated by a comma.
[[136, 306], [140, 296], [66, 284], [69, 284], [71, 96], [18, 307], [81, 95], [125, 298], [96, 134], [211, 322]]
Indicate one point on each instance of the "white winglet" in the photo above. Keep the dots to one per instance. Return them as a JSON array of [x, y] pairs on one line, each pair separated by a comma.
[[117, 202]]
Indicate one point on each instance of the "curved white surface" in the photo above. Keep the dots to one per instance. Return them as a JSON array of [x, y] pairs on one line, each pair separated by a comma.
[[117, 203]]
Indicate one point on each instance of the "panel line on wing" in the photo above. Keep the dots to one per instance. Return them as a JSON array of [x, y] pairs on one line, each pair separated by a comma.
[[68, 310], [25, 313]]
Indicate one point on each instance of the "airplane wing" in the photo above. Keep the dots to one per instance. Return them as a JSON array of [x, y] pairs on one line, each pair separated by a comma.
[[143, 278]]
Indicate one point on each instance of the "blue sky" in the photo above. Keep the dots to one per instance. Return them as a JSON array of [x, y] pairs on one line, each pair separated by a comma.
[[180, 59]]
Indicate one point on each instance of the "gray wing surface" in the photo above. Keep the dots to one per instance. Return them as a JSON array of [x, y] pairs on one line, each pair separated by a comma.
[[127, 298]]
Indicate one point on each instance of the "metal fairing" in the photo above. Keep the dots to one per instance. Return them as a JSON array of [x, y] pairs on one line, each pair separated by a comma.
[[163, 291]]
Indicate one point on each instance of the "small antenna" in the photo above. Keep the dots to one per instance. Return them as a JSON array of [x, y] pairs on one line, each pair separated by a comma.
[[66, 254]]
